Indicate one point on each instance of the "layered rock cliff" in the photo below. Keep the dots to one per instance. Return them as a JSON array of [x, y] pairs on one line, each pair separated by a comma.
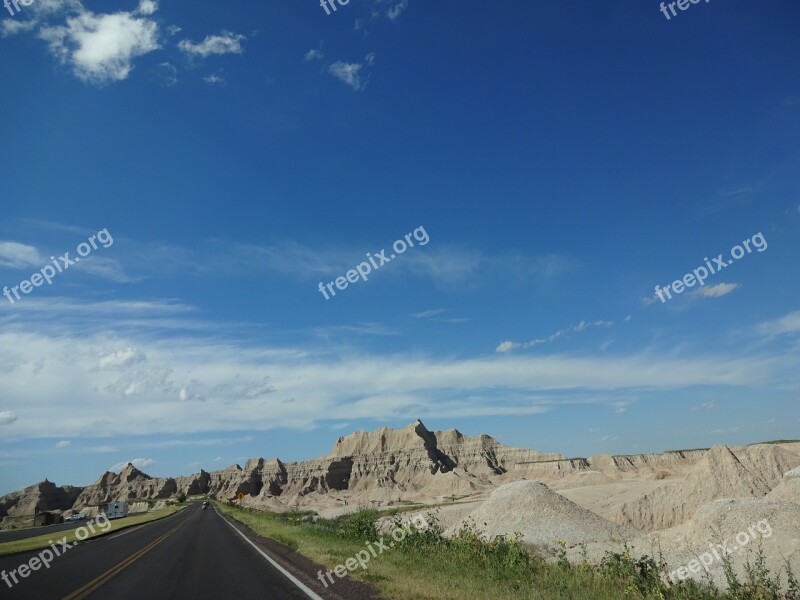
[[43, 496], [414, 463]]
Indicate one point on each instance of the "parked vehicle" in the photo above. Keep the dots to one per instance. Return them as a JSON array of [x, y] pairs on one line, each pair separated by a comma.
[[76, 517], [117, 510]]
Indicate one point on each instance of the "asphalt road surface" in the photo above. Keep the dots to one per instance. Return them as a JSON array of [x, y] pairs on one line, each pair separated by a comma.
[[195, 554], [12, 535]]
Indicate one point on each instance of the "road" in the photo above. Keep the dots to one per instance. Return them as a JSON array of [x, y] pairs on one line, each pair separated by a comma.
[[12, 535], [195, 554]]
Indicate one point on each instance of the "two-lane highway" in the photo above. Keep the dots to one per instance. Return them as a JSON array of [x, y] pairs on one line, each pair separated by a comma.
[[194, 554]]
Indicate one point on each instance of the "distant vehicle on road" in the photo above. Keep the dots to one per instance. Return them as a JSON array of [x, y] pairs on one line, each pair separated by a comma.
[[76, 517], [117, 510], [205, 504]]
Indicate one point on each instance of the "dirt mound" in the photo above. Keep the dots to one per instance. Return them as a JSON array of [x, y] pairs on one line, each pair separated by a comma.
[[787, 490], [542, 516], [741, 526]]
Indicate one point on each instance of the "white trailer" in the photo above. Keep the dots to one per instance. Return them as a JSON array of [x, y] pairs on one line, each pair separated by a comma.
[[117, 510]]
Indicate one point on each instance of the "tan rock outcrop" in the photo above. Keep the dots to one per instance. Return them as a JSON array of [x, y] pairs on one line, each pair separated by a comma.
[[745, 472]]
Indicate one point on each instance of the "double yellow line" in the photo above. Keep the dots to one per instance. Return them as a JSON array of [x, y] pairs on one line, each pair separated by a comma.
[[95, 584]]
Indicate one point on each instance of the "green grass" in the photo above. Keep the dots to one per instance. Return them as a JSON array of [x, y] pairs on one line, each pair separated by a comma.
[[425, 565], [42, 541]]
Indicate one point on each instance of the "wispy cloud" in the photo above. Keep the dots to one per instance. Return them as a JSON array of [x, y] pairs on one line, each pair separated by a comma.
[[139, 463], [18, 256], [427, 314], [715, 291], [226, 42], [314, 54], [705, 406], [246, 387], [7, 417], [397, 9], [736, 195], [582, 326], [214, 80], [347, 73], [788, 324]]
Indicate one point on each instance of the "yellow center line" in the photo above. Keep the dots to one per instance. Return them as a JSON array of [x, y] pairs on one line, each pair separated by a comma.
[[101, 580]]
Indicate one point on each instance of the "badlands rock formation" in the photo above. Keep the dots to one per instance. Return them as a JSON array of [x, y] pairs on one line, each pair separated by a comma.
[[42, 496], [577, 500], [382, 466], [723, 472]]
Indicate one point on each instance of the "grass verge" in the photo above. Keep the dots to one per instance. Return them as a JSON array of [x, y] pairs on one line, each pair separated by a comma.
[[43, 541], [426, 566]]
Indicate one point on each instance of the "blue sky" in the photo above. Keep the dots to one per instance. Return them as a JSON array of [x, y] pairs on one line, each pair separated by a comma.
[[562, 161]]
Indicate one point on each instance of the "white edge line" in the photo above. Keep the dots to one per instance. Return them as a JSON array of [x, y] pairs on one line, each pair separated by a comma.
[[309, 592]]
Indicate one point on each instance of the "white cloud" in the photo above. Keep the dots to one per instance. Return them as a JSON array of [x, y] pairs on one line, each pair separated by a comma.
[[167, 73], [787, 324], [705, 405], [62, 444], [582, 326], [147, 7], [121, 358], [506, 346], [191, 392], [139, 463], [246, 387], [101, 47], [214, 80], [314, 54], [224, 43], [715, 291], [19, 256], [398, 9], [370, 58], [12, 27], [427, 314], [347, 73], [7, 417], [620, 406]]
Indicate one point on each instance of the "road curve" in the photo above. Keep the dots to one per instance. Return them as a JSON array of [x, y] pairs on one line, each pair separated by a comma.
[[194, 554]]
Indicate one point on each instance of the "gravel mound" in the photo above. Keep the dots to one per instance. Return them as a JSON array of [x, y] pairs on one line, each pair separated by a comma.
[[542, 516], [787, 490]]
